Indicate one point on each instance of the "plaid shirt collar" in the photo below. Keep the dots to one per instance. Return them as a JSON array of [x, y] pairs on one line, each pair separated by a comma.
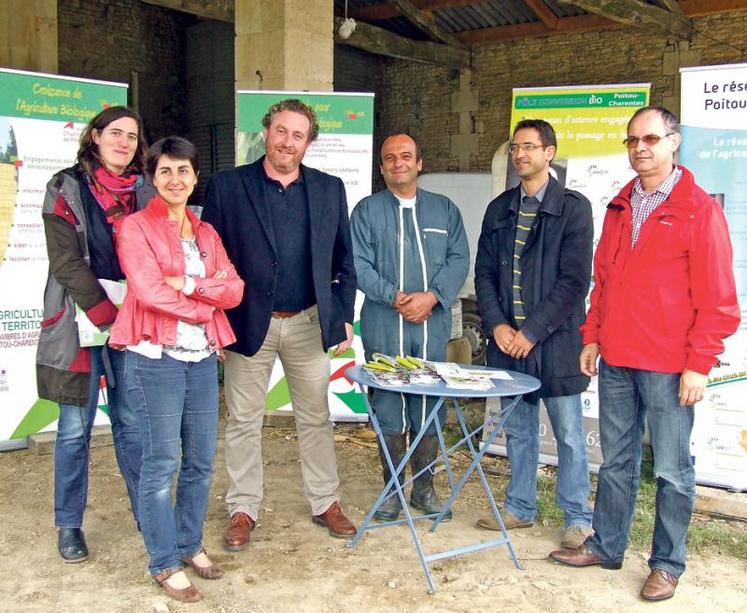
[[643, 204], [663, 190]]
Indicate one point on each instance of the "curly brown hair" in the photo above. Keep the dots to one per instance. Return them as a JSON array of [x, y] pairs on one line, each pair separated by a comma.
[[297, 106], [88, 152]]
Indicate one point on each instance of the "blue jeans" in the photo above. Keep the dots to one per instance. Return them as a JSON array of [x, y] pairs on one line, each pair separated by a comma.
[[627, 399], [522, 447], [177, 403], [71, 450]]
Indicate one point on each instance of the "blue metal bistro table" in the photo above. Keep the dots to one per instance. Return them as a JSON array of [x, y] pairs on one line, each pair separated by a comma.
[[516, 386]]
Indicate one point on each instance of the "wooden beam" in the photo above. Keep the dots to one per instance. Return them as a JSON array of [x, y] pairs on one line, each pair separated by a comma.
[[587, 23], [220, 10], [699, 8], [567, 25], [384, 10], [672, 6], [544, 12], [429, 26], [638, 15], [382, 42]]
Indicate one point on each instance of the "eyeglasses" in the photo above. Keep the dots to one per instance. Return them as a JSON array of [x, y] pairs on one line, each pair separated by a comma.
[[528, 147], [649, 140]]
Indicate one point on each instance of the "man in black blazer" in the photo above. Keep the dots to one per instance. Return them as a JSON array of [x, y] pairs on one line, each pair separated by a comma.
[[285, 227]]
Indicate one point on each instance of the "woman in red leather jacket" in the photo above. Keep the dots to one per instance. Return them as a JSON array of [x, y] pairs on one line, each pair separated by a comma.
[[172, 324]]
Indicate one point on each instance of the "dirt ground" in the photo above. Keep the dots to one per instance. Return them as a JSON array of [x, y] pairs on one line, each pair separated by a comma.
[[293, 565]]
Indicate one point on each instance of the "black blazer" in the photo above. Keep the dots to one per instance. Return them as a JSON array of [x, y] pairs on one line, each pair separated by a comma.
[[236, 208], [555, 273]]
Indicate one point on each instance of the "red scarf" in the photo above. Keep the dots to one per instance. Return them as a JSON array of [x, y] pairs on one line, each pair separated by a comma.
[[115, 194]]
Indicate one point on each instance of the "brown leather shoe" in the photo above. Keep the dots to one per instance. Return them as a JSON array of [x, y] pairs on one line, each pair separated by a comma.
[[509, 519], [184, 594], [582, 556], [335, 521], [212, 571], [236, 537], [659, 585]]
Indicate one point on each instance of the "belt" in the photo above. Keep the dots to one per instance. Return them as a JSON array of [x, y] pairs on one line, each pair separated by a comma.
[[284, 314]]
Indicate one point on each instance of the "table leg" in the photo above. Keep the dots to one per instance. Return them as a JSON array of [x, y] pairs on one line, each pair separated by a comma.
[[475, 465], [399, 488]]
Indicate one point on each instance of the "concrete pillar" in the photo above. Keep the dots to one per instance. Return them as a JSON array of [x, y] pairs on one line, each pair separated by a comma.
[[28, 35], [284, 44]]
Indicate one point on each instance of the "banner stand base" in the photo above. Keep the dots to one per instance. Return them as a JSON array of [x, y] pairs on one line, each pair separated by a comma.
[[42, 443]]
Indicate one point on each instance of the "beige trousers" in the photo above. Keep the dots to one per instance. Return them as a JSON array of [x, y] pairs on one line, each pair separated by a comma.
[[297, 342]]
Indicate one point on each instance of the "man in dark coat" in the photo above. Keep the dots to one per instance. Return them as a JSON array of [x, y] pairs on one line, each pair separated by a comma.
[[285, 227], [532, 274]]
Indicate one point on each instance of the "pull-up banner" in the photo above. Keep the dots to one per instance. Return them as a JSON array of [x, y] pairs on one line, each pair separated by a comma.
[[714, 146], [41, 117], [344, 148]]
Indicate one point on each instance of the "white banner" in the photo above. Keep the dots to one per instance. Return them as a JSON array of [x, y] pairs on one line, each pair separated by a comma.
[[714, 146]]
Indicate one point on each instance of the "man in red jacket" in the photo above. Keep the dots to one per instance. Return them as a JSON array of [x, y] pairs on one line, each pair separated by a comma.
[[663, 301]]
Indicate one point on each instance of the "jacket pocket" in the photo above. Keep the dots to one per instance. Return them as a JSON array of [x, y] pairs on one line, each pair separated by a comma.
[[50, 321], [435, 242], [58, 338], [565, 348], [677, 313]]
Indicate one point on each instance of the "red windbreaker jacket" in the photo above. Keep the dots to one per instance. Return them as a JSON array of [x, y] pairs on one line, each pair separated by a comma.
[[149, 249], [666, 304]]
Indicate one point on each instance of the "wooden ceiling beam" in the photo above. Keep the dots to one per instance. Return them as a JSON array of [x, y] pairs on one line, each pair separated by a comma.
[[220, 10], [700, 8], [672, 6], [638, 15], [385, 10], [422, 22], [383, 42], [544, 12]]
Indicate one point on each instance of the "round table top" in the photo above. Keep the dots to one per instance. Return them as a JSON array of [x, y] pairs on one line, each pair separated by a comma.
[[519, 384]]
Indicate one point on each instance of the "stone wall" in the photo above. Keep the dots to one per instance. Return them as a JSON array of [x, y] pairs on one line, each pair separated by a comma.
[[134, 43], [426, 100]]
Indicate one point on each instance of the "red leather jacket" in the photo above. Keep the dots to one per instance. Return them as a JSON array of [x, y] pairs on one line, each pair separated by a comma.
[[150, 249], [667, 304]]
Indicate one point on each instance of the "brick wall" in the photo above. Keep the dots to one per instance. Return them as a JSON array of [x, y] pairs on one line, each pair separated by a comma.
[[417, 97], [109, 39]]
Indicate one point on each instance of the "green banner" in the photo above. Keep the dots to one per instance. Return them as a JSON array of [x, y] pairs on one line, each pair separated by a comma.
[[582, 99], [41, 119], [344, 148], [40, 96], [337, 114]]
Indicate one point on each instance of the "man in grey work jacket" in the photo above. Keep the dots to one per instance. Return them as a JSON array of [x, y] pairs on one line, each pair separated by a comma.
[[411, 258], [532, 274]]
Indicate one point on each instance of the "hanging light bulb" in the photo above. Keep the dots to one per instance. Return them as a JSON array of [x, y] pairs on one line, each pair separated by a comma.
[[347, 27]]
